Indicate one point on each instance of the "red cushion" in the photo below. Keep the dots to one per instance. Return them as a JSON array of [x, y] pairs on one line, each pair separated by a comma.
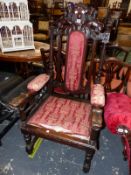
[[64, 115], [38, 82], [74, 61], [97, 95], [117, 111]]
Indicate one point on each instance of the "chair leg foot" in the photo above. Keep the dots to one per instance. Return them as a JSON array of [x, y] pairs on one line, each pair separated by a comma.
[[124, 155], [27, 138], [124, 152], [88, 158], [127, 150], [30, 142], [0, 143], [29, 149], [86, 167]]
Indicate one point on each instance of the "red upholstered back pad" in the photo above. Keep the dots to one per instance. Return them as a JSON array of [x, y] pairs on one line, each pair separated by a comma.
[[75, 60]]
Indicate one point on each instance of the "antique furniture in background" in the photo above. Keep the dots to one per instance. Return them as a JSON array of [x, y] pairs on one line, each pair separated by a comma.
[[38, 10], [25, 56], [117, 110], [97, 3], [120, 6], [13, 90], [115, 20], [86, 1], [117, 50], [13, 87], [102, 13], [124, 35], [112, 20], [7, 115], [58, 3], [128, 18], [118, 15], [16, 32], [42, 31], [56, 10], [120, 42], [121, 46], [37, 7], [23, 59]]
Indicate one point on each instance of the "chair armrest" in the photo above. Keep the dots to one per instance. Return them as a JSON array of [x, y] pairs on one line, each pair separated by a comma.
[[97, 121], [38, 83], [97, 117], [98, 95], [19, 100], [97, 101]]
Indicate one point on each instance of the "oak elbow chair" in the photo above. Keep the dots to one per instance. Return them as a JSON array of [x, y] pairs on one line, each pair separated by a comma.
[[117, 110], [68, 117]]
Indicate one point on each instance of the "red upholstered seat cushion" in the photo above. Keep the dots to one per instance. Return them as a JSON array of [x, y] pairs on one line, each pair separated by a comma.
[[64, 115], [117, 111]]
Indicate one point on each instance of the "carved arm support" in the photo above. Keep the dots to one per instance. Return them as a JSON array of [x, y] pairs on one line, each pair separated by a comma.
[[98, 102], [32, 97]]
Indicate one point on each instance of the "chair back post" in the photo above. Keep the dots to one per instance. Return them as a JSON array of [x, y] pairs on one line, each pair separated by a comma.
[[97, 81], [93, 55], [58, 56], [51, 53], [105, 39]]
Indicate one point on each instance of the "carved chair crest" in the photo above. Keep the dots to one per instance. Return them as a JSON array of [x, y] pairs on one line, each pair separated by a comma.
[[82, 19]]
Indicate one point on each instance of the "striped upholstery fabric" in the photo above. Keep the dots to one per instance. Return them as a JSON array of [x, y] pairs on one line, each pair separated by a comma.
[[64, 115], [74, 61]]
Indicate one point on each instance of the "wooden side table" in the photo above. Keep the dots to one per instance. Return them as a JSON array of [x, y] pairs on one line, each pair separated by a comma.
[[23, 58]]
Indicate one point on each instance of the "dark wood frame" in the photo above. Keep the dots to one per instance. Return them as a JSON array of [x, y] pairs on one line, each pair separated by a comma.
[[33, 100]]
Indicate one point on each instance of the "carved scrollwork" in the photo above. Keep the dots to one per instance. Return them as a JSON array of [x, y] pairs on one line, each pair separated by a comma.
[[83, 18]]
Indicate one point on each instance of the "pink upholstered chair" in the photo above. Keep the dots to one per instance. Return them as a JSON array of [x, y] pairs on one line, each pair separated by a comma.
[[117, 110], [71, 117]]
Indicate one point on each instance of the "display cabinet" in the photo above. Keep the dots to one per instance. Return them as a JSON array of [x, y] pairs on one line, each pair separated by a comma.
[[16, 31]]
